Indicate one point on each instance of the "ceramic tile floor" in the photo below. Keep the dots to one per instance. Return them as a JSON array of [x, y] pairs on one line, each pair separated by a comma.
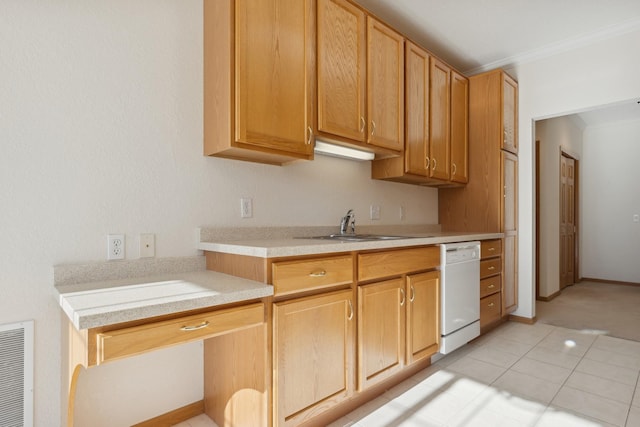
[[517, 375]]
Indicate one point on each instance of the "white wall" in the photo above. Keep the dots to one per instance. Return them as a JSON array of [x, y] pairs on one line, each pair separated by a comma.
[[610, 177], [101, 132], [603, 73], [557, 134]]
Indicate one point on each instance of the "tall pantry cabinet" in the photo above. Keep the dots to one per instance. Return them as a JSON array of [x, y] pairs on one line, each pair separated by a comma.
[[488, 203]]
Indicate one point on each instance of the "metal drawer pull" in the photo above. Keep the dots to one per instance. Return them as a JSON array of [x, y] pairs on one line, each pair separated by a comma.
[[310, 135], [434, 163], [491, 286], [428, 161], [491, 249], [196, 327], [350, 310], [373, 127], [413, 294], [453, 172], [491, 268], [320, 273], [362, 123], [491, 305], [403, 296]]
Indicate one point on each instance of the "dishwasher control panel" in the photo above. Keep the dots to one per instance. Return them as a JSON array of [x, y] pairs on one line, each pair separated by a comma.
[[461, 252]]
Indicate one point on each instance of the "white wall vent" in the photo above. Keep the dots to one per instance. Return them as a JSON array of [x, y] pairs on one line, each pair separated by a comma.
[[16, 374]]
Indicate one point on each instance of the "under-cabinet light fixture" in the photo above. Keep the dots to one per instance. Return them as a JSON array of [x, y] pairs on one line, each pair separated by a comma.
[[343, 152]]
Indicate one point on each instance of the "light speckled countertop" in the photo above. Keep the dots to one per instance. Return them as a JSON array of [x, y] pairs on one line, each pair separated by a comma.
[[101, 303], [288, 242]]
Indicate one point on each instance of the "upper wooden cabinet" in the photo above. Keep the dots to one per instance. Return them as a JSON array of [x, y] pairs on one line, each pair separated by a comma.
[[436, 125], [385, 86], [439, 130], [509, 114], [342, 59], [360, 79], [259, 79], [459, 128]]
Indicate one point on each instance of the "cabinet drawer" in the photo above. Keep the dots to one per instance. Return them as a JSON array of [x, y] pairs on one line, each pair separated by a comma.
[[125, 342], [489, 309], [490, 248], [392, 263], [490, 285], [308, 274], [490, 267]]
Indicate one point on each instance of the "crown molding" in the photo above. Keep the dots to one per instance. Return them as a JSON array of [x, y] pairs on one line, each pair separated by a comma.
[[560, 47]]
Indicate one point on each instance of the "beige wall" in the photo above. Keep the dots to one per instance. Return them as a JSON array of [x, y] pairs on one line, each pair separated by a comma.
[[601, 73], [562, 133], [101, 132]]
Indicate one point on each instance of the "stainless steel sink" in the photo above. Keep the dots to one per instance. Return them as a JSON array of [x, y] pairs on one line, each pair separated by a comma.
[[357, 237]]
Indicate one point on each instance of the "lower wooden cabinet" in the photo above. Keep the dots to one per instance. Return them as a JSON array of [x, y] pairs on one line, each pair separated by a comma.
[[398, 324], [490, 309], [423, 315], [490, 283], [313, 355], [381, 331]]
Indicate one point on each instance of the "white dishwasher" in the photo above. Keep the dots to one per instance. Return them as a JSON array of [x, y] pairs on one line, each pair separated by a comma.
[[460, 294]]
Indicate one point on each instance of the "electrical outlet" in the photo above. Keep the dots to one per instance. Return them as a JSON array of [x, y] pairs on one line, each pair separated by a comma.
[[636, 218], [115, 246], [375, 212], [147, 245], [246, 207]]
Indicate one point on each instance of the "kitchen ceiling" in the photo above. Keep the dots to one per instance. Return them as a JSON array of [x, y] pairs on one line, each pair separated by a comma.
[[478, 35]]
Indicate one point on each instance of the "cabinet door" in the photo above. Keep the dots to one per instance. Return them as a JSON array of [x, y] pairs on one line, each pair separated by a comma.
[[510, 281], [510, 191], [459, 128], [275, 53], [341, 69], [509, 114], [439, 129], [313, 344], [385, 86], [423, 315], [381, 319], [417, 110], [509, 227]]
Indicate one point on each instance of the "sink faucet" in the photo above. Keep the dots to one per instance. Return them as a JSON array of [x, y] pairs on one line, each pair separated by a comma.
[[348, 223]]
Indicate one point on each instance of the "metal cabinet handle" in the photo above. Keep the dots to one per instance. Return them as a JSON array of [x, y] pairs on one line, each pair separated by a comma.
[[373, 127], [362, 123], [491, 249], [195, 327], [320, 273], [491, 305], [434, 163], [403, 296], [413, 294], [491, 286], [427, 163], [350, 310], [491, 268], [453, 169], [310, 135]]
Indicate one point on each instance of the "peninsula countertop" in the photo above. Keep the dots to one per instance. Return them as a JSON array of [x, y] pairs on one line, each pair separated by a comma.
[[102, 303]]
